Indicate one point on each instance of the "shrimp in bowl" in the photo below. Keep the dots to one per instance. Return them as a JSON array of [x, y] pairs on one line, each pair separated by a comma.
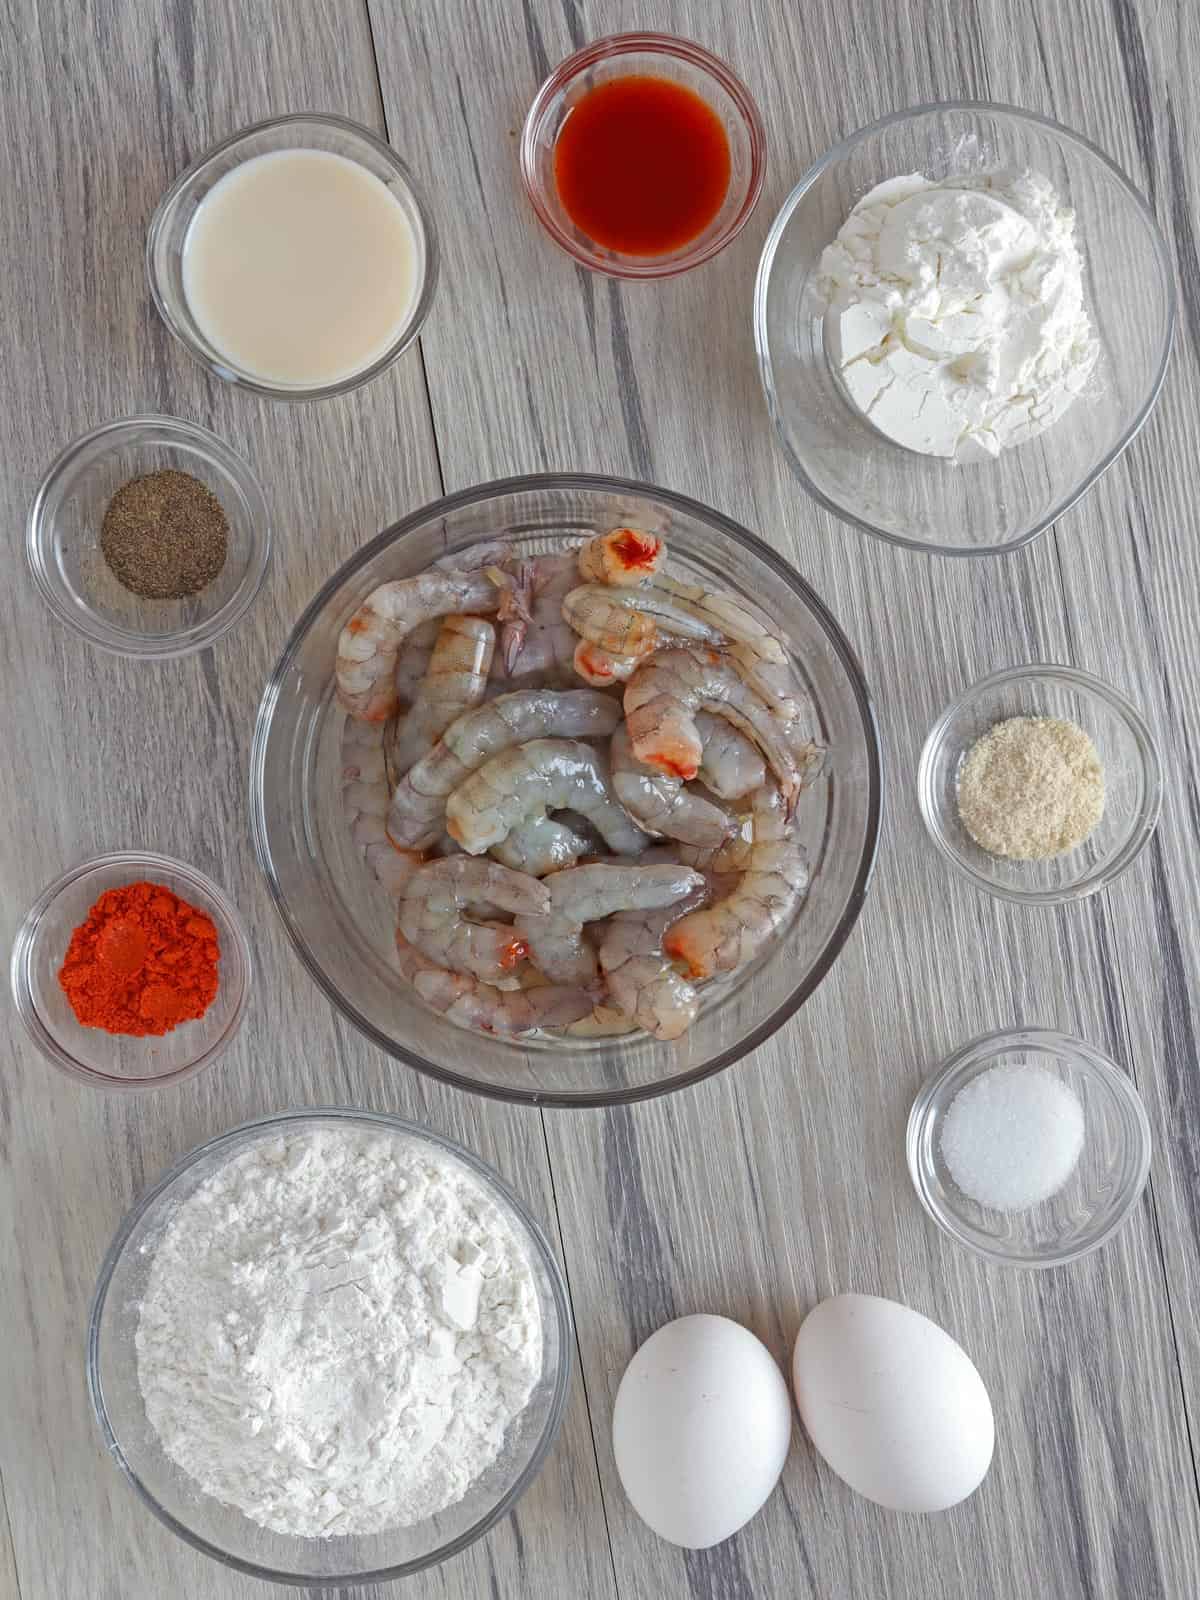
[[580, 779]]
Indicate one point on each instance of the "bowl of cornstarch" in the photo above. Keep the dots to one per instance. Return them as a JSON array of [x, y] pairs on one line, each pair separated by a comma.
[[1029, 1147], [1040, 784], [329, 1347]]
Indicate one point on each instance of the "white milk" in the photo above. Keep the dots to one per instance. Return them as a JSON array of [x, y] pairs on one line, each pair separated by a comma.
[[301, 267]]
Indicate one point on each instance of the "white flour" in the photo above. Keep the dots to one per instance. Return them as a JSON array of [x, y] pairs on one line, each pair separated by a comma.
[[337, 1329]]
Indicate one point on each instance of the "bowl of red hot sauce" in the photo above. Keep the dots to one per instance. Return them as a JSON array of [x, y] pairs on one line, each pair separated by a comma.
[[643, 155]]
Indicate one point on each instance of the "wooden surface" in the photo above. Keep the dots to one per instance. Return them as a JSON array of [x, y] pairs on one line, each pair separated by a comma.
[[783, 1180]]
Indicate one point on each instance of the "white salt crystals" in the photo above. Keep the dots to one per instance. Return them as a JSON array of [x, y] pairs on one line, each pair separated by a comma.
[[1012, 1136]]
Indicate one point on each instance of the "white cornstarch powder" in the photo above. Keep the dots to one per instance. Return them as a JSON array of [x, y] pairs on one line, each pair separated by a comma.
[[957, 317], [338, 1327]]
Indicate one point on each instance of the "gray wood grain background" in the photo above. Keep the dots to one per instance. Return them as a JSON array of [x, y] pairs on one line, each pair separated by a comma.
[[783, 1180]]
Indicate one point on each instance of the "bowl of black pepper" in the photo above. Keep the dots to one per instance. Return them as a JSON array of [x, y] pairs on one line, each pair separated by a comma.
[[149, 536]]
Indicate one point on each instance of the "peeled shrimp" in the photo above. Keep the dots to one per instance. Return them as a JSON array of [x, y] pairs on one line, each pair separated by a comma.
[[366, 793], [543, 775], [419, 802], [541, 845], [371, 640], [625, 557], [660, 802], [724, 936], [469, 1003], [642, 981], [433, 915], [454, 682], [601, 667], [664, 694], [554, 938]]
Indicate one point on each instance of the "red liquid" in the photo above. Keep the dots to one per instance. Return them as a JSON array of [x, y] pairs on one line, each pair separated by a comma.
[[642, 165]]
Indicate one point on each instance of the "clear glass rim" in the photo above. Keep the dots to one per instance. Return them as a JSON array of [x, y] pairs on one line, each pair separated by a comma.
[[110, 636], [223, 369], [619, 44], [838, 643], [1048, 1040], [535, 1239], [20, 970], [1140, 832], [766, 367]]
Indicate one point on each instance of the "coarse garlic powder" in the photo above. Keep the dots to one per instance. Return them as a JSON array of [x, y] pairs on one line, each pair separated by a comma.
[[1031, 788]]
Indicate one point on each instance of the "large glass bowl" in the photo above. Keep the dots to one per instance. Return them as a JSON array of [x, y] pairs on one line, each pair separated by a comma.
[[229, 1536], [342, 923], [925, 502]]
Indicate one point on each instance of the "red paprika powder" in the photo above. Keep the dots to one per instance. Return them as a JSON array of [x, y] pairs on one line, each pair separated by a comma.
[[143, 962]]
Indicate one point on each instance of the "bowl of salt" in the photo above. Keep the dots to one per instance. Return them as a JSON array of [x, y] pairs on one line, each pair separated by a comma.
[[1029, 1147]]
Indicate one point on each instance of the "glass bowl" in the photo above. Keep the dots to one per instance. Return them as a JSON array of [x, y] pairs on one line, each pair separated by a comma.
[[226, 1534], [924, 502], [1098, 1196], [306, 131], [342, 923], [119, 1061], [62, 538], [1132, 782], [657, 55]]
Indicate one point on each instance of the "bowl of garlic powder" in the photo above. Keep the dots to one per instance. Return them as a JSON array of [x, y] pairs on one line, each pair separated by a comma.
[[963, 315], [1040, 784]]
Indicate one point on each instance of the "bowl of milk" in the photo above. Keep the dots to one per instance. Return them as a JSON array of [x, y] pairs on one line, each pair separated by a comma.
[[297, 259]]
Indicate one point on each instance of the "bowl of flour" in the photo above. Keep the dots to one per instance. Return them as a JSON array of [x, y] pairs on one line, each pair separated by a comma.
[[328, 1347], [963, 315]]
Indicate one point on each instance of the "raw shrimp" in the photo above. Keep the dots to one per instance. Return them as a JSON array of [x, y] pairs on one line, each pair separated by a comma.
[[660, 802], [543, 775], [454, 682], [540, 644], [554, 938], [642, 981], [727, 616], [541, 845], [724, 936], [635, 621], [730, 764], [664, 694], [625, 557], [419, 802], [412, 661], [601, 667], [630, 622], [433, 915], [469, 1003], [370, 641], [366, 792]]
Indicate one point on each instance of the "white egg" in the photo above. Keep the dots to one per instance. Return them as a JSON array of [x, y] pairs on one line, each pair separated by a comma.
[[896, 1408], [701, 1429]]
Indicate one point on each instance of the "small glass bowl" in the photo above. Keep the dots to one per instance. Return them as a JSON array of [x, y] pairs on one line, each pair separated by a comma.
[[118, 1061], [305, 131], [225, 1534], [659, 55], [924, 502], [1132, 782], [1098, 1196], [62, 539]]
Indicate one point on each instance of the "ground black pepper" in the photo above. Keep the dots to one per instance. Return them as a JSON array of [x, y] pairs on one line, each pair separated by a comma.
[[165, 535]]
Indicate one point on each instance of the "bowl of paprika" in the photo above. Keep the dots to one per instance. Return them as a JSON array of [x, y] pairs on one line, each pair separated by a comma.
[[131, 971]]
